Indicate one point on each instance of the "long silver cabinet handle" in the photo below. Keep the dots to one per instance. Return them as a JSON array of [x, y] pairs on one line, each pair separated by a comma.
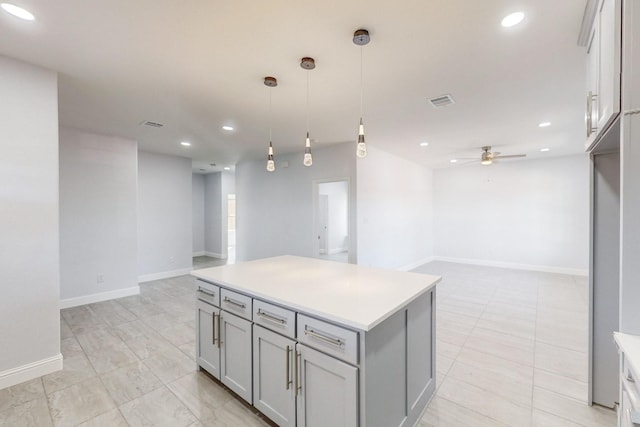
[[287, 381], [298, 375], [207, 293], [213, 328], [234, 302], [271, 317], [295, 371], [330, 340]]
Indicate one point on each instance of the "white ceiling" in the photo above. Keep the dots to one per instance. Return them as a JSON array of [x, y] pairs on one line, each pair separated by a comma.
[[196, 65]]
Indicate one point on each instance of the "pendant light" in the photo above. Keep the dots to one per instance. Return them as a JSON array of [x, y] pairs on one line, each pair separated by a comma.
[[270, 82], [307, 64], [361, 38]]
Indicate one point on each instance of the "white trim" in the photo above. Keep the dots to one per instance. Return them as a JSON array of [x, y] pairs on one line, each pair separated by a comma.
[[516, 266], [215, 255], [201, 253], [102, 296], [163, 275], [415, 264], [30, 371], [338, 250]]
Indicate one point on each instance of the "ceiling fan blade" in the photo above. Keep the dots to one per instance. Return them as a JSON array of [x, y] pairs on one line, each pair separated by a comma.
[[467, 158], [467, 163], [512, 156]]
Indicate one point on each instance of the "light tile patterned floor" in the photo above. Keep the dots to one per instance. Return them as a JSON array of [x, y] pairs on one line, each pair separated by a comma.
[[511, 351]]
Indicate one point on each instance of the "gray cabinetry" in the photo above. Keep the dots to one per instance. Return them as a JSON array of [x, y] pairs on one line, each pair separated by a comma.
[[207, 347], [274, 393], [327, 390], [235, 354]]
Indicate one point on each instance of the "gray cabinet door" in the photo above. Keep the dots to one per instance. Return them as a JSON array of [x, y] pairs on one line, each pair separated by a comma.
[[273, 389], [328, 390], [207, 346], [235, 354]]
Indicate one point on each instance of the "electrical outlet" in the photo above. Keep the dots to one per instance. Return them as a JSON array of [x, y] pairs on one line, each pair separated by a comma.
[[100, 278]]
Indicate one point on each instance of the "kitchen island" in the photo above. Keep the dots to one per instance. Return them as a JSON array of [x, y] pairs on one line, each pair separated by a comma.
[[315, 343]]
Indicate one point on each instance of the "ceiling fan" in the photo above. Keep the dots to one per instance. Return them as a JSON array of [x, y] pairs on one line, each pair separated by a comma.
[[488, 157]]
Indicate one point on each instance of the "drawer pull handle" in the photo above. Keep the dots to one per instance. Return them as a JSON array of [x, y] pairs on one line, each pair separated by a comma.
[[630, 378], [234, 302], [271, 317], [330, 340], [209, 294]]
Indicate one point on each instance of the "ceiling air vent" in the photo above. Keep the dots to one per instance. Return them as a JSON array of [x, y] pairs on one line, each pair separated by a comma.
[[442, 101], [152, 124]]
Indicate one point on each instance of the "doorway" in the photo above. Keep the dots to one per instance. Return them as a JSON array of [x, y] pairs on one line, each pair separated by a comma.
[[331, 220]]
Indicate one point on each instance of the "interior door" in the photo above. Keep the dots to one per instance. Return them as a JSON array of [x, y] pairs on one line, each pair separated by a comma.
[[323, 223]]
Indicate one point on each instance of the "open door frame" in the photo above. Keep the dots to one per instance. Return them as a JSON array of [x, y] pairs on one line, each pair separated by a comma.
[[314, 229]]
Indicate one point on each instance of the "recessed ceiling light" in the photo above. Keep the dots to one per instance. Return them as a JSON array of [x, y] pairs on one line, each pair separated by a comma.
[[424, 144], [544, 150], [544, 124], [185, 144], [453, 161], [18, 11], [227, 127], [512, 19], [227, 168]]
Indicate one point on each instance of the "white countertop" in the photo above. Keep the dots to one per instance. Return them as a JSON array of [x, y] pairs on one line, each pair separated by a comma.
[[355, 296], [630, 346]]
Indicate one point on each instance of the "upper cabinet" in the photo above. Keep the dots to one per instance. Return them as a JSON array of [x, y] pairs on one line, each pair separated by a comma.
[[603, 70]]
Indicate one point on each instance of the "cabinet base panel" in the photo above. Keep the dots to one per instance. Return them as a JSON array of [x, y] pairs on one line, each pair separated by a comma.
[[259, 414]]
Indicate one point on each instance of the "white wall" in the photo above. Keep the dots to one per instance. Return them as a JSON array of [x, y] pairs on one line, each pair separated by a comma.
[[395, 211], [526, 214], [275, 209], [29, 242], [197, 203], [164, 216], [227, 186], [98, 223], [338, 216]]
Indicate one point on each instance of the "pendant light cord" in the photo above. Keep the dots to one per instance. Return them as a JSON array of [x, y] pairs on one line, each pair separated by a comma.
[[270, 114], [307, 101], [361, 81]]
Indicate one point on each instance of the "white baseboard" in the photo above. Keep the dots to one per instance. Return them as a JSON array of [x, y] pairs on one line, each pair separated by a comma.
[[215, 255], [415, 264], [102, 296], [30, 371], [163, 275], [338, 250], [516, 266], [201, 253]]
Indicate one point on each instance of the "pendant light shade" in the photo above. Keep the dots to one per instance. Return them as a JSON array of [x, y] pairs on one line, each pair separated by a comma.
[[270, 82], [307, 64], [361, 38]]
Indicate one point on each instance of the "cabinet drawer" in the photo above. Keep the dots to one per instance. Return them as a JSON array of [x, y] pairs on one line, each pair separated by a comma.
[[328, 338], [276, 318], [208, 293], [235, 303]]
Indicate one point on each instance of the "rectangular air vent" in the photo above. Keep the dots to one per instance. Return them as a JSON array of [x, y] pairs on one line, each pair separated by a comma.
[[442, 101], [152, 124]]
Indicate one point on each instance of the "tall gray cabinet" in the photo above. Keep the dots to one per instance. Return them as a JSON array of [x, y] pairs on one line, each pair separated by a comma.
[[611, 34]]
